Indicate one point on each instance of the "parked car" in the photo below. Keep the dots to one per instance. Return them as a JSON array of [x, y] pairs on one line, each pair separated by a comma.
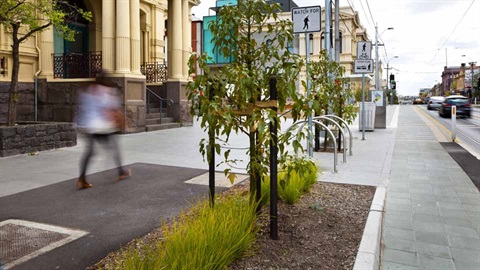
[[435, 102], [462, 103]]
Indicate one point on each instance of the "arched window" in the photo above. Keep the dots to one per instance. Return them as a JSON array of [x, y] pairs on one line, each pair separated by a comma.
[[341, 42], [322, 41]]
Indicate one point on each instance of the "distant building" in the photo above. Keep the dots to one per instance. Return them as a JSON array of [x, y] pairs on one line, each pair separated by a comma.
[[436, 90], [447, 78]]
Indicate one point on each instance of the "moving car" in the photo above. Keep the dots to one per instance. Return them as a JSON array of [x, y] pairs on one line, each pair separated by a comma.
[[417, 101], [435, 102], [462, 103]]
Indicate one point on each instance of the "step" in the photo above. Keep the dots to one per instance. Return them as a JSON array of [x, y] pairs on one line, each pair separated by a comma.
[[155, 115], [152, 121], [162, 126], [154, 110], [167, 120]]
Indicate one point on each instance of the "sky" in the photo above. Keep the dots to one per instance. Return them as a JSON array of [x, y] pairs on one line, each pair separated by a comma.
[[427, 35]]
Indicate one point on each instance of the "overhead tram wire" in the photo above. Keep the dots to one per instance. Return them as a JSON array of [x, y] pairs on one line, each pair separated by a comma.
[[346, 26], [352, 7], [455, 28], [366, 16], [368, 5]]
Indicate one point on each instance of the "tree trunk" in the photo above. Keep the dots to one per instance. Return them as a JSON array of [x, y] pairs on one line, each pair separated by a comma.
[[326, 132], [253, 179], [340, 114], [13, 93]]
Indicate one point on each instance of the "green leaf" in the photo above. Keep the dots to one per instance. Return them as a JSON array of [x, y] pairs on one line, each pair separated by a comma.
[[232, 177]]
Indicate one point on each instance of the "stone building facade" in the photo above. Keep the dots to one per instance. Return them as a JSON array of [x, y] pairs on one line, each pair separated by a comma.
[[129, 39]]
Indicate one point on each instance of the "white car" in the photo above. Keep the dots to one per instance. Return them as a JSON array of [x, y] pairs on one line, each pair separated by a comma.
[[435, 102]]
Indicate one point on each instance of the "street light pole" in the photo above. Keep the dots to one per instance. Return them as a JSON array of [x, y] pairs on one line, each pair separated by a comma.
[[377, 79], [388, 79]]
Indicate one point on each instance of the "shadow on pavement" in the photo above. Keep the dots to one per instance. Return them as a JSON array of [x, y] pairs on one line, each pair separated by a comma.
[[469, 163]]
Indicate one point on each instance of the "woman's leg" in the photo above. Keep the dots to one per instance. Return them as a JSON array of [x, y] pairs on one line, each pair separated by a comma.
[[87, 155], [117, 157]]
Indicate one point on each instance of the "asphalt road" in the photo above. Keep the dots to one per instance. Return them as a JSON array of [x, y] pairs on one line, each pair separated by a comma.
[[468, 129], [113, 213]]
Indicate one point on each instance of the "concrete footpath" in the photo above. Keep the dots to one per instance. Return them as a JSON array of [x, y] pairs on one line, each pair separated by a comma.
[[425, 214], [432, 215]]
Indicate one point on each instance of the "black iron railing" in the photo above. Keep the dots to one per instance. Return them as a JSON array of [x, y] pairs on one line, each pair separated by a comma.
[[159, 99], [76, 65], [155, 72]]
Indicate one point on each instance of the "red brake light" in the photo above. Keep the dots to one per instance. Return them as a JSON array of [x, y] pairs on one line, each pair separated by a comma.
[[467, 105], [447, 105]]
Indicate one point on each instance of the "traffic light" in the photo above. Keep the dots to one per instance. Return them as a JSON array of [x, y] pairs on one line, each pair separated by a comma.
[[392, 81], [394, 85]]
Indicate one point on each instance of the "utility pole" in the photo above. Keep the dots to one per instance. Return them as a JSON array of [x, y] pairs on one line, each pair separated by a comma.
[[337, 31], [377, 81], [472, 64], [328, 23], [388, 87]]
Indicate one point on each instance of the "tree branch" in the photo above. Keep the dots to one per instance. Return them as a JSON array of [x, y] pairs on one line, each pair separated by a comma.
[[16, 6], [34, 30]]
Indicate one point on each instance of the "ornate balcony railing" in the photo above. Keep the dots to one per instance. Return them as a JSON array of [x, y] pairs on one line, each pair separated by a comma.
[[155, 72], [76, 65]]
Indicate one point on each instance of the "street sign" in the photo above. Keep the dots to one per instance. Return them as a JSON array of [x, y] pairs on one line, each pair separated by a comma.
[[364, 50], [306, 19], [363, 66]]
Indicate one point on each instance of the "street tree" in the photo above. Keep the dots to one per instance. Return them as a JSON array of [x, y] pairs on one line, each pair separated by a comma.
[[329, 91], [21, 19], [230, 97]]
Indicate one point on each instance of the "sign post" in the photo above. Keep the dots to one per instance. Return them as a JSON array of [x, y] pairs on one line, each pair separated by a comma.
[[363, 64], [454, 123], [307, 20]]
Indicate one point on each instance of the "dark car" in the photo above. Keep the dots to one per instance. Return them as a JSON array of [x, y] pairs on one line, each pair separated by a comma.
[[462, 103]]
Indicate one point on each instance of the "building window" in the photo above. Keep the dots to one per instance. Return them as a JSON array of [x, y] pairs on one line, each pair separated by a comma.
[[310, 44], [341, 42], [332, 41], [322, 41]]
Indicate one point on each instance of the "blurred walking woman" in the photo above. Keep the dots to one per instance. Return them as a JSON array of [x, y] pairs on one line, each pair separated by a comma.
[[99, 115]]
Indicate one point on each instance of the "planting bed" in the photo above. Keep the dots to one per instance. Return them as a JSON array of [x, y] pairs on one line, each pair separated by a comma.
[[322, 230]]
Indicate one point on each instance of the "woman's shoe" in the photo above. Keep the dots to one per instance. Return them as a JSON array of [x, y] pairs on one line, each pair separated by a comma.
[[82, 183], [126, 173]]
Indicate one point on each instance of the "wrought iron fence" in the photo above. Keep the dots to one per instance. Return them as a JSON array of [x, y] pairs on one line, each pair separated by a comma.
[[155, 72], [76, 65]]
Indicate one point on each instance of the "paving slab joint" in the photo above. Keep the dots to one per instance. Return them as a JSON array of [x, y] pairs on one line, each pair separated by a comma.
[[368, 255]]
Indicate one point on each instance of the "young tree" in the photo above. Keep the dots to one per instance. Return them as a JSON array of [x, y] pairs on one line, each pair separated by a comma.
[[257, 40], [329, 93], [21, 19]]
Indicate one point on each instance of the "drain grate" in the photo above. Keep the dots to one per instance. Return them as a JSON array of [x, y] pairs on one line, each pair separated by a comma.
[[22, 240], [17, 241]]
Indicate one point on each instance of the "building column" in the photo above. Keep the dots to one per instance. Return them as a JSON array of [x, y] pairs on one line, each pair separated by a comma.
[[187, 36], [135, 35], [46, 48], [175, 47], [108, 35], [158, 35], [122, 36]]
